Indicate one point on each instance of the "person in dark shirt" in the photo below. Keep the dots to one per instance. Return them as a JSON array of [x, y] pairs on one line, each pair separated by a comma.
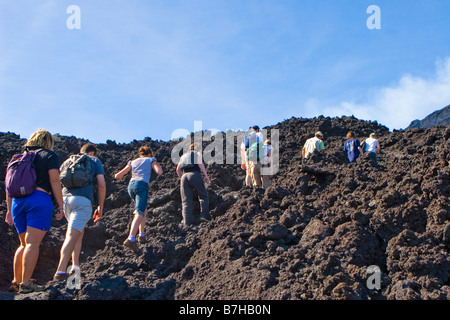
[[32, 215], [189, 169], [352, 146]]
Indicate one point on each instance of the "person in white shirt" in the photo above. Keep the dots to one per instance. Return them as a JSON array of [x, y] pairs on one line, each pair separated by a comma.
[[372, 145], [313, 144]]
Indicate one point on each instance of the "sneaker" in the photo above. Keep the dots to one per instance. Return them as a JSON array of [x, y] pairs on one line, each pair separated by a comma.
[[15, 287], [204, 219], [30, 286], [141, 240], [61, 276], [132, 245]]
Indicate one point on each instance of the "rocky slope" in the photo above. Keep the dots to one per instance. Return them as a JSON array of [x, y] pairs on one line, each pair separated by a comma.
[[311, 235], [437, 118]]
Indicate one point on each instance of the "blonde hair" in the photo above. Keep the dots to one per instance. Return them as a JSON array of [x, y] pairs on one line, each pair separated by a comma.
[[41, 138]]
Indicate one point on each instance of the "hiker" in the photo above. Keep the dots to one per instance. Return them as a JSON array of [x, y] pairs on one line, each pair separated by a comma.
[[32, 214], [189, 169], [78, 205], [313, 144], [372, 146], [258, 179], [267, 162], [352, 146], [141, 170], [253, 136], [245, 166]]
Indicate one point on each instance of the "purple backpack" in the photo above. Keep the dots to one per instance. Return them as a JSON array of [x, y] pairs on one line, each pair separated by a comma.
[[20, 180]]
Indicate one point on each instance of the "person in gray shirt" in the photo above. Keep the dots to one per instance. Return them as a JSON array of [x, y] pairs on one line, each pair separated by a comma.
[[78, 207]]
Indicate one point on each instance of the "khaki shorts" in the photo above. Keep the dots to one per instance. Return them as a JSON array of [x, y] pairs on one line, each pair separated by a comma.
[[78, 211]]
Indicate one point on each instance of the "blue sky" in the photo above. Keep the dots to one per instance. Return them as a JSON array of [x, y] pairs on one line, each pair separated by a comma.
[[144, 68]]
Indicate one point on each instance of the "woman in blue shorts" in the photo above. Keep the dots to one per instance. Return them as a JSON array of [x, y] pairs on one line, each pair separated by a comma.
[[32, 214], [141, 169]]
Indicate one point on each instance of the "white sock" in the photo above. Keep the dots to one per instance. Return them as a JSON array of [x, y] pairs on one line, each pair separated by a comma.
[[73, 268]]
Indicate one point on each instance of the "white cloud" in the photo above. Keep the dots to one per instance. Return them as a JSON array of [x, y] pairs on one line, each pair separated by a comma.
[[396, 106]]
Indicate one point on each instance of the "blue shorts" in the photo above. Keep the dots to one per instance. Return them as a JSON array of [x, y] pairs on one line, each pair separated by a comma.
[[35, 210], [138, 191]]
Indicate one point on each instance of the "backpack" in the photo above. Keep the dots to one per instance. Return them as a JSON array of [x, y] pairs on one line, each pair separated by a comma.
[[250, 139], [20, 180], [253, 152], [187, 162], [76, 171]]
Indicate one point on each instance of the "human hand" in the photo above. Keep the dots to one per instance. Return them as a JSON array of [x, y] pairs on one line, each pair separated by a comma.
[[60, 214], [8, 218], [97, 214]]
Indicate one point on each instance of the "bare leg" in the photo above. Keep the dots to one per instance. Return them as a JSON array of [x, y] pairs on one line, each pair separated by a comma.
[[135, 224], [142, 224], [67, 248], [33, 239], [18, 259], [77, 250]]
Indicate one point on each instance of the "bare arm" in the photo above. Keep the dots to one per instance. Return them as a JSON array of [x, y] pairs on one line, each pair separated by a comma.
[[57, 191], [179, 172], [202, 168], [360, 148], [101, 194], [8, 218], [157, 168], [119, 175]]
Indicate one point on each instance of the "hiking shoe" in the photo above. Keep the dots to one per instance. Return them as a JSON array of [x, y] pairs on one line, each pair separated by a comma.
[[132, 245], [15, 287], [30, 286], [205, 219], [61, 276], [183, 227], [141, 240]]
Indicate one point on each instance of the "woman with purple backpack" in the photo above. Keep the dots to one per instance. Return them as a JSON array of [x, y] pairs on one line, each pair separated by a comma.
[[32, 213]]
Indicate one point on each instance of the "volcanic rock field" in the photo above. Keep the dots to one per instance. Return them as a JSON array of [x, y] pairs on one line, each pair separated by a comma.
[[312, 234]]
